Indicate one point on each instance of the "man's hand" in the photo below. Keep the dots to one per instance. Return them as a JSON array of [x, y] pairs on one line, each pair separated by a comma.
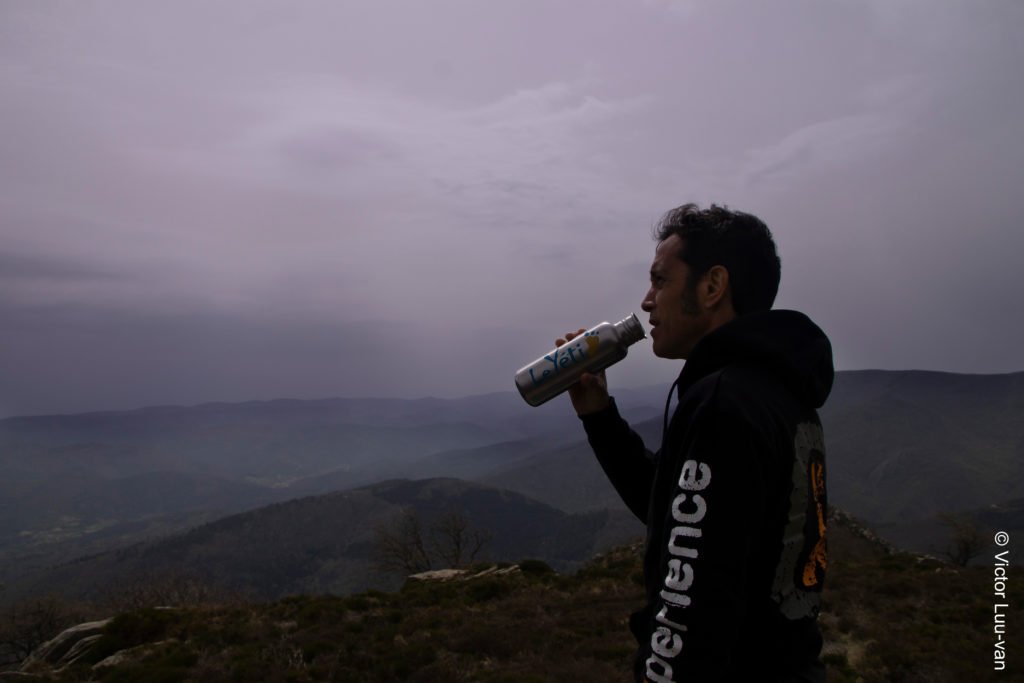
[[590, 393]]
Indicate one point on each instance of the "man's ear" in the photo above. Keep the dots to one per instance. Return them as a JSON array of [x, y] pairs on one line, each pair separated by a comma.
[[714, 288]]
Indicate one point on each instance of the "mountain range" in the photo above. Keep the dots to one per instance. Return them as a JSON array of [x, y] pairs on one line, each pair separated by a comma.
[[903, 447], [327, 543]]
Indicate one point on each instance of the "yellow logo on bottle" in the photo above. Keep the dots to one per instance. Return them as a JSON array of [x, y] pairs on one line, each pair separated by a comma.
[[565, 356]]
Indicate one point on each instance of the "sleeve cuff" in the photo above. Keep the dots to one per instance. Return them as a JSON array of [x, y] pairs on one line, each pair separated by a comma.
[[608, 415]]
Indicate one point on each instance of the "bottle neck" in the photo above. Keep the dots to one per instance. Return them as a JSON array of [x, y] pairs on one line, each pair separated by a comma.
[[630, 330]]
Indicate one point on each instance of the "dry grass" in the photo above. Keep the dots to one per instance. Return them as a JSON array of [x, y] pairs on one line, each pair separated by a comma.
[[889, 618]]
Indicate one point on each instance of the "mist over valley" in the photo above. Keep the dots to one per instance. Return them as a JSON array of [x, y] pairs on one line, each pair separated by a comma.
[[226, 490]]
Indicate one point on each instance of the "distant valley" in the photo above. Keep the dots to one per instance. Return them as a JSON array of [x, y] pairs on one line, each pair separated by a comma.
[[902, 448], [326, 544]]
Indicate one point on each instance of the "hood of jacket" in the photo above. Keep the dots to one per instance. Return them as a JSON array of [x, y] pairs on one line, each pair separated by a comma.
[[786, 343]]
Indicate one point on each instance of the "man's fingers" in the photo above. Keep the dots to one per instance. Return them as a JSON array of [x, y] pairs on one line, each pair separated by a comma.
[[569, 336], [572, 335]]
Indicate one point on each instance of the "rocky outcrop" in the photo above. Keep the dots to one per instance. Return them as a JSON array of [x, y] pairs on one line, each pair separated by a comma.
[[857, 528], [463, 574], [70, 646], [65, 648], [20, 676], [131, 654]]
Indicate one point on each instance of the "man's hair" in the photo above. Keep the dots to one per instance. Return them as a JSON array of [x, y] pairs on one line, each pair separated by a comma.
[[740, 242]]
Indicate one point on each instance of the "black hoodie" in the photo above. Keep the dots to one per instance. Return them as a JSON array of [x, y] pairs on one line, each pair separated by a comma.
[[734, 503]]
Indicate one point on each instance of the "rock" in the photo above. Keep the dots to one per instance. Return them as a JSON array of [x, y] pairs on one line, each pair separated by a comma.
[[77, 650], [53, 651], [514, 569], [122, 656], [19, 676], [486, 572], [463, 574], [439, 575]]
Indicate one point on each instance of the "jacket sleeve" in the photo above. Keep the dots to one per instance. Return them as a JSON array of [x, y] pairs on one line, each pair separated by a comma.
[[713, 515], [628, 464]]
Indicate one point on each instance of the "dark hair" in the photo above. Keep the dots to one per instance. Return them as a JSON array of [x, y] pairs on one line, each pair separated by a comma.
[[740, 242]]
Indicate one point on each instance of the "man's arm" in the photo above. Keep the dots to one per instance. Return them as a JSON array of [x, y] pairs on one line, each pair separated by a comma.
[[628, 464], [620, 450], [711, 525]]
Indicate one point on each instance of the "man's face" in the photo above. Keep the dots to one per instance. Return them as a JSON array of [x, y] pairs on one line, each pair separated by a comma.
[[676, 318]]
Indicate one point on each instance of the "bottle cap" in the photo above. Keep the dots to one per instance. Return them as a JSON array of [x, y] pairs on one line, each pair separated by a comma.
[[631, 329]]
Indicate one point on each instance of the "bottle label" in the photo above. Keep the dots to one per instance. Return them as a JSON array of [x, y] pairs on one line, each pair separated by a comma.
[[566, 356]]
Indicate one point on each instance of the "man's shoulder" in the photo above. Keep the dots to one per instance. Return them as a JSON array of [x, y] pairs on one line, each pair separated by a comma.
[[729, 382], [700, 395], [748, 381], [737, 390]]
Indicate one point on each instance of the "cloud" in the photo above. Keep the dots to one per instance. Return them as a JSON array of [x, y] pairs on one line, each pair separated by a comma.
[[16, 266], [820, 147], [385, 143], [475, 167]]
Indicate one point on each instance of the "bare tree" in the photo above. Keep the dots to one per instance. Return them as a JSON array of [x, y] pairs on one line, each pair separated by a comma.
[[966, 539], [454, 542], [28, 623], [450, 541], [400, 546]]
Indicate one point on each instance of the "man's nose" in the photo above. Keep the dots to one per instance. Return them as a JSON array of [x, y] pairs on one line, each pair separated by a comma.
[[647, 305]]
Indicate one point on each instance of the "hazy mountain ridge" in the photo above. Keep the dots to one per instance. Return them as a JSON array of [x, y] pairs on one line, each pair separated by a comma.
[[65, 475], [569, 477], [911, 444], [932, 535], [327, 543], [901, 446]]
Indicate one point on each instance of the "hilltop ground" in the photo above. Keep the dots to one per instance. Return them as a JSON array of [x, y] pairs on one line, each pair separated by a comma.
[[888, 617]]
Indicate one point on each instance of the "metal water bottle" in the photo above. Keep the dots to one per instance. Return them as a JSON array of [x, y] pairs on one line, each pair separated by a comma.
[[592, 351]]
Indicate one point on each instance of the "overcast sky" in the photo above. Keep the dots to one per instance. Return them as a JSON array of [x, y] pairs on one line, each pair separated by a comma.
[[249, 200]]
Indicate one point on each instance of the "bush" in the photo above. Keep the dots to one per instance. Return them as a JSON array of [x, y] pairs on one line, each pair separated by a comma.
[[535, 567], [483, 590], [129, 630], [27, 624]]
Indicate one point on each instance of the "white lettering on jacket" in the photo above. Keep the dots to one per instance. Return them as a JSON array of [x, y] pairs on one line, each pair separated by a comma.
[[689, 510]]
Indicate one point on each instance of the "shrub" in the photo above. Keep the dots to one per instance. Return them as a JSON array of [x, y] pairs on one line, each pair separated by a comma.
[[535, 567], [129, 630], [483, 590]]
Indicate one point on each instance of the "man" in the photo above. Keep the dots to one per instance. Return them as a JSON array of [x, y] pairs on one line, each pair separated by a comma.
[[734, 501]]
